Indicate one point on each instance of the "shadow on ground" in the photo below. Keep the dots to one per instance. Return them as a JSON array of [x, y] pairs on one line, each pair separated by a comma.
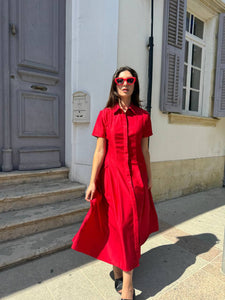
[[37, 271], [163, 265], [178, 210]]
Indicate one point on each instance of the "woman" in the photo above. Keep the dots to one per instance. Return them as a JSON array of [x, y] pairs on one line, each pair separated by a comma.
[[122, 213]]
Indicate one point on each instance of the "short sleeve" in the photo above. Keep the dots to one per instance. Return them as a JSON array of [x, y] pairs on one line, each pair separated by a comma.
[[147, 126], [99, 128]]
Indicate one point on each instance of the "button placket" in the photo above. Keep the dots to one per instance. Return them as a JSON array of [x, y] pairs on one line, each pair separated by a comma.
[[126, 148], [133, 197]]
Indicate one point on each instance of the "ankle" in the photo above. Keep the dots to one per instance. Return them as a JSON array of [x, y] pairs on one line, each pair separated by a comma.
[[129, 288], [117, 272], [127, 293], [118, 276]]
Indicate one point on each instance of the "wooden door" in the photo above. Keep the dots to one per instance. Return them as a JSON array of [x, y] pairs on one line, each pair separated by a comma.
[[36, 83]]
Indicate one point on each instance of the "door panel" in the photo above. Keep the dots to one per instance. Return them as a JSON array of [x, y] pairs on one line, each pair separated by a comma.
[[37, 83], [38, 115], [41, 26]]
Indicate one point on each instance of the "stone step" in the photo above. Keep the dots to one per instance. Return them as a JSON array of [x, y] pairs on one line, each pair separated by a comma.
[[18, 177], [37, 193], [36, 245], [20, 223]]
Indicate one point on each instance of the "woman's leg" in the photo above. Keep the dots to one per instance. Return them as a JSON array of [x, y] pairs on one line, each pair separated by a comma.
[[118, 277], [118, 273], [127, 291]]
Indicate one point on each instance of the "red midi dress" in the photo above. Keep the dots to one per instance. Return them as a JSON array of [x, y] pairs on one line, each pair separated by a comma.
[[122, 213]]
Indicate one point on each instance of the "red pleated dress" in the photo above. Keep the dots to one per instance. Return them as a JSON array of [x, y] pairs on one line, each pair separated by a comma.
[[122, 214]]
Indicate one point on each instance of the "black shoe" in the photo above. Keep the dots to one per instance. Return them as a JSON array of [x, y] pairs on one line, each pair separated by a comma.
[[119, 285]]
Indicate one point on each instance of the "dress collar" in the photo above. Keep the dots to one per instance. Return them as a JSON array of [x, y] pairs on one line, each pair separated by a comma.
[[132, 107]]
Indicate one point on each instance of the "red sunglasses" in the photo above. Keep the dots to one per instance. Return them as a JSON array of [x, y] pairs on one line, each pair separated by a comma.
[[121, 80]]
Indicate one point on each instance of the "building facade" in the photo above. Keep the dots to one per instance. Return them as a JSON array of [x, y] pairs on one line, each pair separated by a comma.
[[63, 54]]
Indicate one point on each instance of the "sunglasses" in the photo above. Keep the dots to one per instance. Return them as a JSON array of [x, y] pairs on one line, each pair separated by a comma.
[[129, 80]]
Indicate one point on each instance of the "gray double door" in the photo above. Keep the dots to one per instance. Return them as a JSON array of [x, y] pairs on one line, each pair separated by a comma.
[[32, 101]]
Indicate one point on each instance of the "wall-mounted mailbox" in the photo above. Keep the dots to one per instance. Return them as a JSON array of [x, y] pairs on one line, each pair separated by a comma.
[[81, 107]]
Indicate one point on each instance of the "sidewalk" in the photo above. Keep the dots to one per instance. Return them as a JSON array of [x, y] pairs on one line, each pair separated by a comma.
[[181, 262]]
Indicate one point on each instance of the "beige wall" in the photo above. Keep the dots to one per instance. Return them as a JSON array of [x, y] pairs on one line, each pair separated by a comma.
[[181, 177]]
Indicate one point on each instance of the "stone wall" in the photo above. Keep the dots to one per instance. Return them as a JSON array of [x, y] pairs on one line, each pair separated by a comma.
[[181, 177]]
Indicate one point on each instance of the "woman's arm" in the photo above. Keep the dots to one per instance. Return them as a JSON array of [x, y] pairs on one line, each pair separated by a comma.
[[145, 151], [96, 166]]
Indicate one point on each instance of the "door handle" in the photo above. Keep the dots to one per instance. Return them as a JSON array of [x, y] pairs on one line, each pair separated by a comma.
[[39, 88], [13, 29]]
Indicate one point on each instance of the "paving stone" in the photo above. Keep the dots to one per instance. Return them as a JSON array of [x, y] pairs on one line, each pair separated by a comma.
[[36, 292], [214, 268], [98, 273], [200, 286], [73, 286], [16, 281], [179, 210], [162, 266]]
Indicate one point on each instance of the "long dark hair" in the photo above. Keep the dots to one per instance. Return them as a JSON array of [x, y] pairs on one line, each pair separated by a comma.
[[113, 95]]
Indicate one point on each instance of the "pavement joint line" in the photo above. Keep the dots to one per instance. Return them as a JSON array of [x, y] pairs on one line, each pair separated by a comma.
[[211, 274], [181, 280], [200, 269], [41, 281], [208, 273], [48, 289], [214, 275], [173, 285], [99, 291], [217, 257], [165, 290]]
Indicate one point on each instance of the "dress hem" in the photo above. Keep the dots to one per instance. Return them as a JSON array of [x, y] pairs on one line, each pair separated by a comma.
[[74, 247]]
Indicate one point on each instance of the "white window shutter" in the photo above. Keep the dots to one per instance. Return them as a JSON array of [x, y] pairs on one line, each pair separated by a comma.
[[173, 55], [219, 93]]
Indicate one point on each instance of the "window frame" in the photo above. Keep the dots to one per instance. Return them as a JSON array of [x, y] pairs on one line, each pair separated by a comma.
[[194, 40], [172, 61]]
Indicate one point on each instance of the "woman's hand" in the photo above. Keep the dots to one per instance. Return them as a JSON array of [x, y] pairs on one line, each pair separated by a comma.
[[150, 183], [90, 192], [145, 151], [96, 166]]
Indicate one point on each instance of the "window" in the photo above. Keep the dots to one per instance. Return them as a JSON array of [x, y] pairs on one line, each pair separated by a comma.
[[193, 66], [187, 54]]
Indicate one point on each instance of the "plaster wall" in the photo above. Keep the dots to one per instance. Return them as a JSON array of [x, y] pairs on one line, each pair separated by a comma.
[[133, 35], [91, 59]]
